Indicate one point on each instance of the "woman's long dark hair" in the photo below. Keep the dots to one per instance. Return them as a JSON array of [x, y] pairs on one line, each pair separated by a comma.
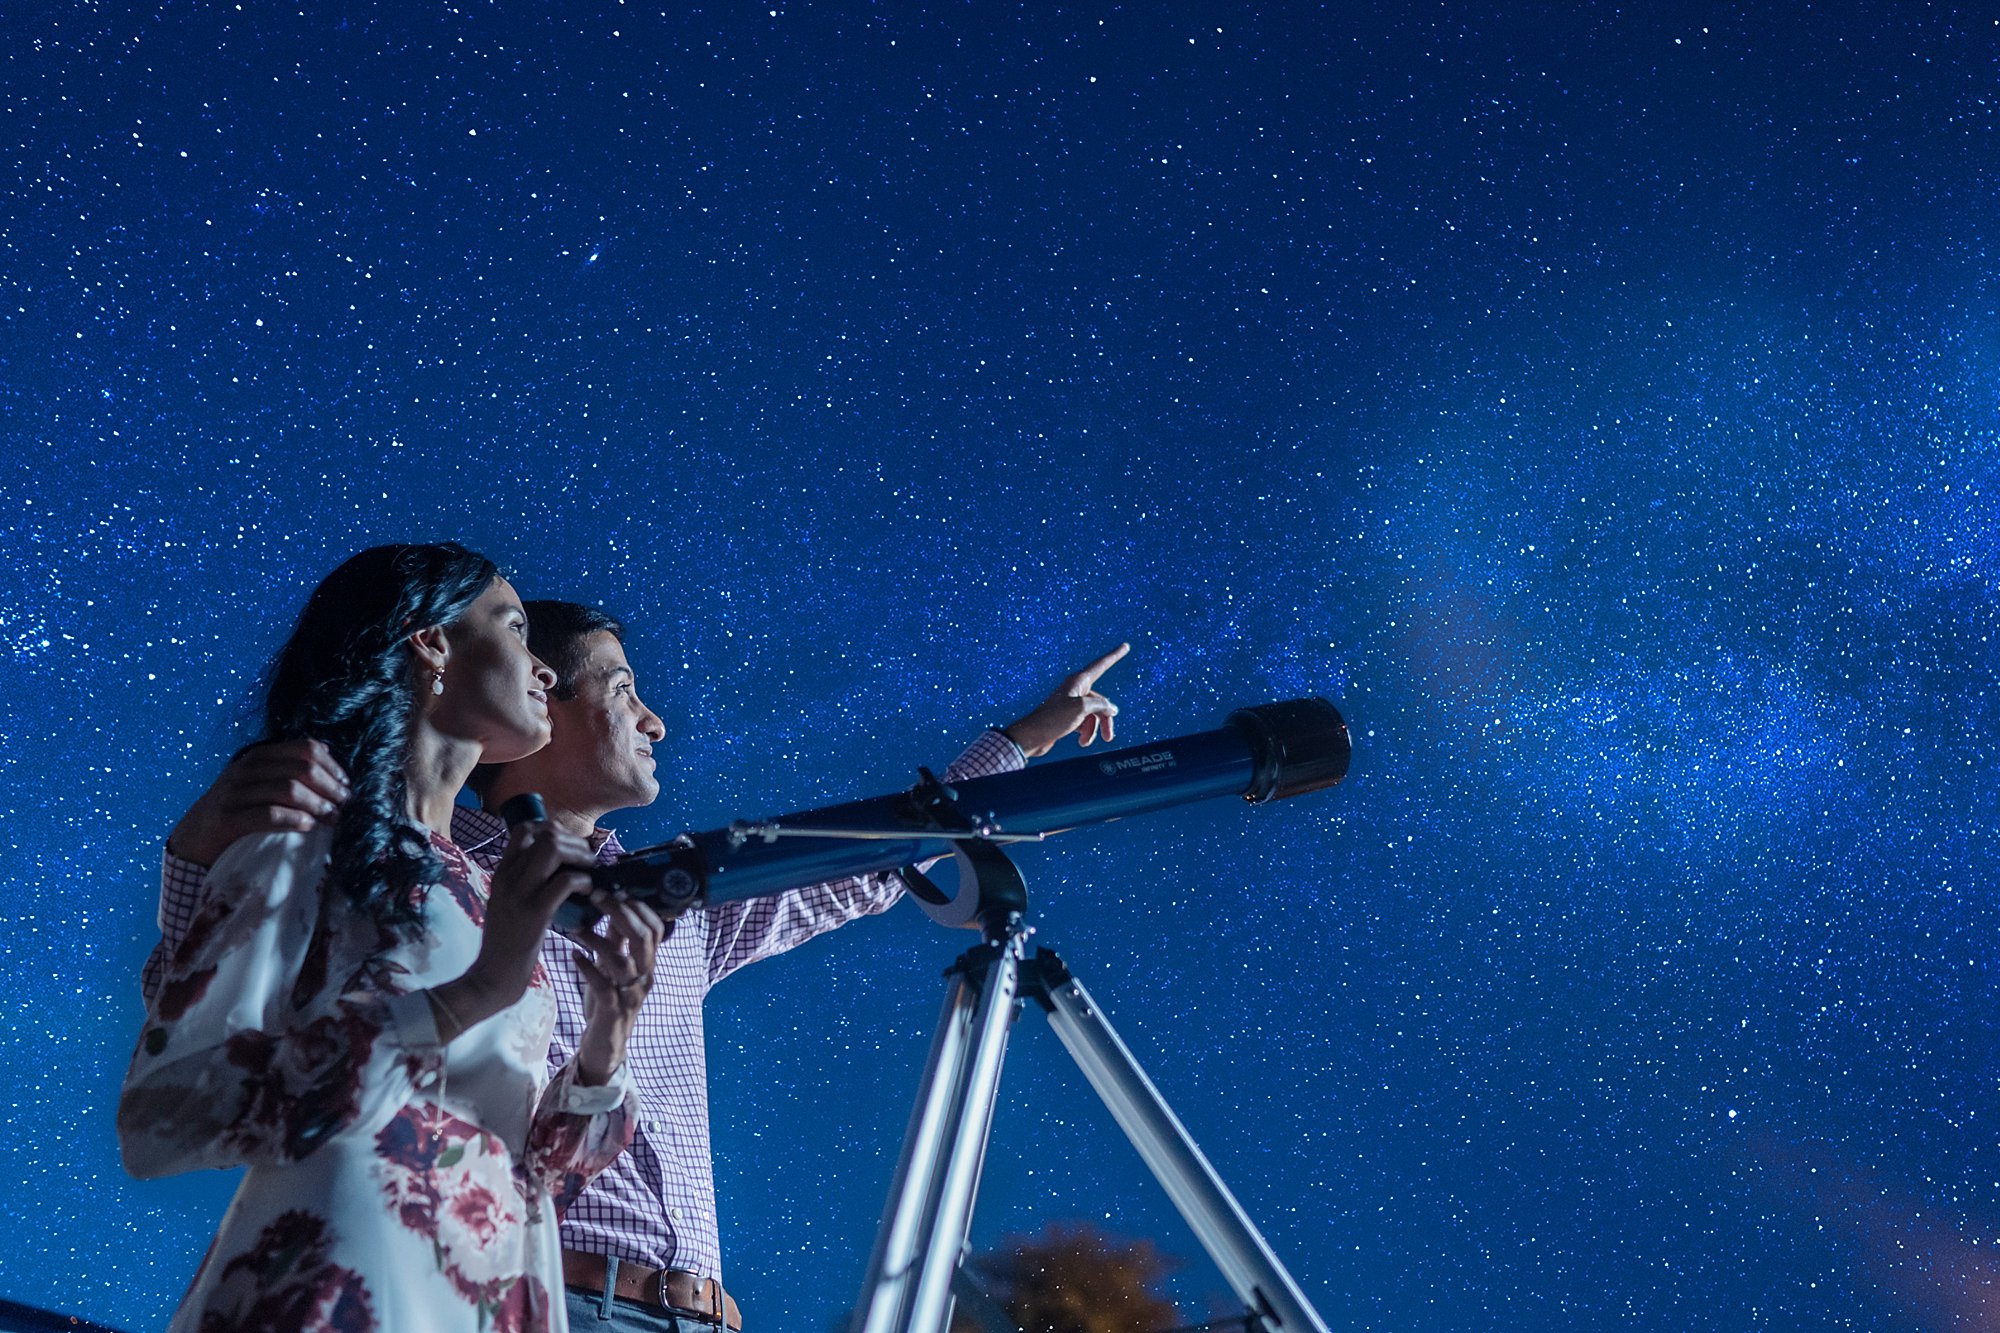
[[345, 677]]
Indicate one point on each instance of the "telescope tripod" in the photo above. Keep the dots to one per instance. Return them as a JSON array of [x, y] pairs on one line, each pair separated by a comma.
[[922, 1238]]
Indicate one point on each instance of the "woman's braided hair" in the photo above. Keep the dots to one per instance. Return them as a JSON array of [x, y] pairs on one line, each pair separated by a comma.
[[346, 677]]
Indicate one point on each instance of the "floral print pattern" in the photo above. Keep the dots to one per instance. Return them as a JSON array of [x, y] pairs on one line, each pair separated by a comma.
[[454, 1184], [287, 1281], [394, 1184]]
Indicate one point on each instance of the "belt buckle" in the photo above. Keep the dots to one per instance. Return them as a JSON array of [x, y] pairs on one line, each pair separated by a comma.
[[659, 1295], [706, 1290]]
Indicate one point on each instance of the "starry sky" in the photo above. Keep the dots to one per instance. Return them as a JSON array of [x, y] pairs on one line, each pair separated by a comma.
[[1597, 402]]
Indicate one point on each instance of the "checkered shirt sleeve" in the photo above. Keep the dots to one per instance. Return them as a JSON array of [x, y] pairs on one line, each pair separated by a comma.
[[655, 1205], [752, 928], [180, 894]]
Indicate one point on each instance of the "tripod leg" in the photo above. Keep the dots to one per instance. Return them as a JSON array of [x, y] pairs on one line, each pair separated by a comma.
[[922, 1235], [1219, 1222]]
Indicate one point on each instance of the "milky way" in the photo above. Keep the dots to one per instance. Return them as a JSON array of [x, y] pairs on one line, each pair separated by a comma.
[[1599, 407]]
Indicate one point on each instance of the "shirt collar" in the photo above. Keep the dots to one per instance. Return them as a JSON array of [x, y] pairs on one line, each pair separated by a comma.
[[481, 834]]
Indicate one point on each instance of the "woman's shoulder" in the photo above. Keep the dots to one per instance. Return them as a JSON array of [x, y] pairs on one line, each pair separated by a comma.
[[266, 879], [279, 861]]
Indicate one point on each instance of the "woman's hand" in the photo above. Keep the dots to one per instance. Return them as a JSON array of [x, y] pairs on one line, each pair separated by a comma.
[[617, 976], [539, 869]]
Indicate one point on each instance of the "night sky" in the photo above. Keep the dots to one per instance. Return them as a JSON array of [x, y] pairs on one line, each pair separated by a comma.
[[1600, 405]]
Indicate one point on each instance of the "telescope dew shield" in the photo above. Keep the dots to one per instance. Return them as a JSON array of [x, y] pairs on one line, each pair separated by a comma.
[[1300, 746], [1265, 753]]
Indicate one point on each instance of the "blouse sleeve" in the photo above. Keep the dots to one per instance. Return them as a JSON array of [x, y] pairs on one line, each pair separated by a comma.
[[579, 1130], [258, 1046]]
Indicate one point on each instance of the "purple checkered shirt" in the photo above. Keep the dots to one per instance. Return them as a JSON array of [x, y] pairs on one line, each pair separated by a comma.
[[655, 1205]]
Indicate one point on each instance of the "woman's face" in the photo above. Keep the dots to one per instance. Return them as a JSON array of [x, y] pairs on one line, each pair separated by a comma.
[[495, 690]]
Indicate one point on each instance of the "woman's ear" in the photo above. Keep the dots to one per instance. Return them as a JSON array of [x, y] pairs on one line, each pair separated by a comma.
[[430, 649]]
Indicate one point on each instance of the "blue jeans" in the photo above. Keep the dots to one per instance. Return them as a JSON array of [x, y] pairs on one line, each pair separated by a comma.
[[601, 1312]]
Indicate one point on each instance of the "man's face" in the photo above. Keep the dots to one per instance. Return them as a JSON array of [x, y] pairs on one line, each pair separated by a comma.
[[601, 752]]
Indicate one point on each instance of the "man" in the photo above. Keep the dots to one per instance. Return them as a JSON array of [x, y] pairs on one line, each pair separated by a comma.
[[640, 1244]]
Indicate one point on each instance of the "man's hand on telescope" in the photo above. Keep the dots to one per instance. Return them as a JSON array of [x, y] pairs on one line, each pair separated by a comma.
[[276, 787], [1074, 706]]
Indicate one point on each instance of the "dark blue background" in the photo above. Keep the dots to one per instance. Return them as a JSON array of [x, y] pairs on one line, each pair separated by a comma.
[[1598, 402]]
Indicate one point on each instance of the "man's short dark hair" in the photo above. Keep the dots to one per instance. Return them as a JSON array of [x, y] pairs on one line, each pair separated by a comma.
[[557, 633]]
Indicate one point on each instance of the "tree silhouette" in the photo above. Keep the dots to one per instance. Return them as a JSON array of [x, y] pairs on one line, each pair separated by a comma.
[[1074, 1278]]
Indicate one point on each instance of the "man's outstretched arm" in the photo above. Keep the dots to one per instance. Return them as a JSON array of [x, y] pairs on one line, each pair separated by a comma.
[[754, 928]]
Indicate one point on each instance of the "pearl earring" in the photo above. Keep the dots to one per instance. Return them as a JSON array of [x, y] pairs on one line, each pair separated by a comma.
[[437, 681]]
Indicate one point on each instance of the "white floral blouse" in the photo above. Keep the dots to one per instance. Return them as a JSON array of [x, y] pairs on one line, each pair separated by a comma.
[[393, 1184]]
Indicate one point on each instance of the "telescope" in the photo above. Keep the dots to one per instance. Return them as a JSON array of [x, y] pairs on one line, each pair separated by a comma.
[[1265, 753]]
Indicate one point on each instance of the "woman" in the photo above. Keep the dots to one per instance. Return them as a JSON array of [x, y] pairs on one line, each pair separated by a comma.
[[357, 1017]]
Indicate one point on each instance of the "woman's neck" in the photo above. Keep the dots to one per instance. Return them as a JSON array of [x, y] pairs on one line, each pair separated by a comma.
[[438, 767]]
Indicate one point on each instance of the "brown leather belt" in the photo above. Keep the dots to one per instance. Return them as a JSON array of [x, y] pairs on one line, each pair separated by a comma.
[[666, 1289]]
